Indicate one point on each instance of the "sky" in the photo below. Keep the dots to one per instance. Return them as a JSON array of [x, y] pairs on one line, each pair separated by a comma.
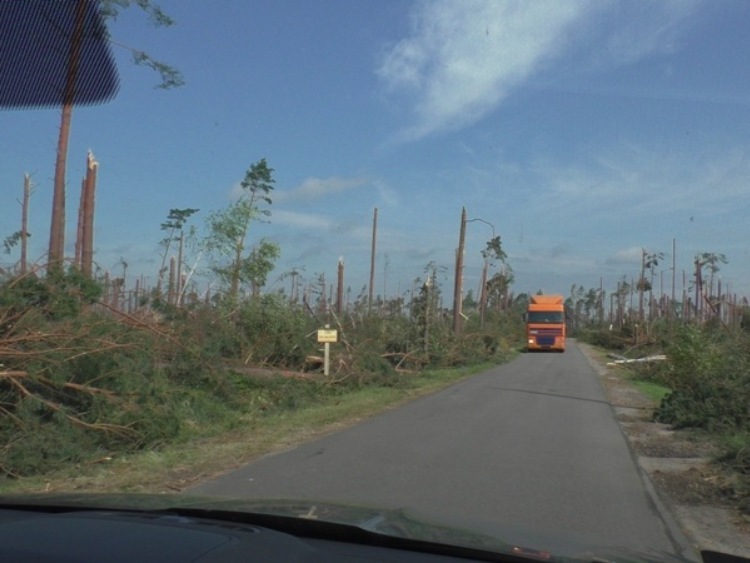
[[581, 132]]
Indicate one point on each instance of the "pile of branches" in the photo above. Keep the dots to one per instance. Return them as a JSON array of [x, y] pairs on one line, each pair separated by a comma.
[[74, 379]]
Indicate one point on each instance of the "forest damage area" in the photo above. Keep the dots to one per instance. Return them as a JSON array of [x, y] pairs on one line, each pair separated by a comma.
[[690, 416], [82, 380]]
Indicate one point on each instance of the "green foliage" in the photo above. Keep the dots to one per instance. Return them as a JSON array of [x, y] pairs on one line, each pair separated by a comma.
[[111, 9], [89, 383], [709, 374], [259, 263], [494, 251], [228, 230], [12, 240], [58, 297], [273, 333], [605, 338], [170, 76], [176, 219]]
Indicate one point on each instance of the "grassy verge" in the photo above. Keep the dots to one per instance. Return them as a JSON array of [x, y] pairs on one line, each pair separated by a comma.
[[176, 467], [652, 390]]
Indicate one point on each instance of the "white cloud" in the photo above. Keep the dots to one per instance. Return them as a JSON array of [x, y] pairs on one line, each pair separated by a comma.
[[235, 192], [464, 57], [301, 220], [312, 223], [630, 181], [639, 29], [630, 255], [317, 188], [387, 194]]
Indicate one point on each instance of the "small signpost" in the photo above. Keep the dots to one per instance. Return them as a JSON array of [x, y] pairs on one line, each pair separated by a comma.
[[326, 336]]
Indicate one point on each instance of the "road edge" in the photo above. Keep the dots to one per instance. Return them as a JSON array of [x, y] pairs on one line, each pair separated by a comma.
[[676, 530]]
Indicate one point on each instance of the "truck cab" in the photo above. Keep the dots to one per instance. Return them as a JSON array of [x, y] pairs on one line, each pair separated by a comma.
[[545, 323]]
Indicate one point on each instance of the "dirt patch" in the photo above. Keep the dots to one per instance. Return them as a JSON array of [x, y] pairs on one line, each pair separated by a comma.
[[678, 464]]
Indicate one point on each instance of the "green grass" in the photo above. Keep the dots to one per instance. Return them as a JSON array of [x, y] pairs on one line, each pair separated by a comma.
[[652, 390], [210, 452]]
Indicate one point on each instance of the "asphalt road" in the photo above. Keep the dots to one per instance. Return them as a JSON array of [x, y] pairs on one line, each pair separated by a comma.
[[530, 445]]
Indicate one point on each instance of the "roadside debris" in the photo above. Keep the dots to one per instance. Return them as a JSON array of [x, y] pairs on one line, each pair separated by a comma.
[[618, 359]]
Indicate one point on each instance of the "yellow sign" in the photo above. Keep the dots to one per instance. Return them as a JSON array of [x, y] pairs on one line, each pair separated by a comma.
[[328, 335]]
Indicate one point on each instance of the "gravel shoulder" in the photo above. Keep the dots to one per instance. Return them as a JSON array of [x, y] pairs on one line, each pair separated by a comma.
[[678, 465]]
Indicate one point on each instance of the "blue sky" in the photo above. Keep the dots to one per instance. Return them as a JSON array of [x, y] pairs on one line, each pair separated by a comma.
[[581, 131]]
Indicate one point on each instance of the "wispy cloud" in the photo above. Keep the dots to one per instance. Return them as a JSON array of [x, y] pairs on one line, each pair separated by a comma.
[[387, 194], [316, 188], [301, 220], [464, 57], [310, 189], [634, 30], [632, 255], [650, 183]]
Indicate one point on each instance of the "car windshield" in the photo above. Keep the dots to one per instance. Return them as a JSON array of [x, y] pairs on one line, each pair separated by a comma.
[[292, 250], [546, 317]]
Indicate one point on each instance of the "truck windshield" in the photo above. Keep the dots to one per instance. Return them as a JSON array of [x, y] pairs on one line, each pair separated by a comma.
[[541, 317]]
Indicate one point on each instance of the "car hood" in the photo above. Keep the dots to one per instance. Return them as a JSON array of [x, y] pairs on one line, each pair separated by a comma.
[[386, 522]]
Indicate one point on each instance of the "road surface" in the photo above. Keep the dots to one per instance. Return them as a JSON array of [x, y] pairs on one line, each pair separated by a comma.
[[529, 445]]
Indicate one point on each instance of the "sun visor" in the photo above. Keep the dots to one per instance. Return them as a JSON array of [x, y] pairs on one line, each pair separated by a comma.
[[53, 50]]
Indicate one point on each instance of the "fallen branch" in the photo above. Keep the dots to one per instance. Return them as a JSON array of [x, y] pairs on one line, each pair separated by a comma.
[[82, 388], [647, 359], [13, 374], [116, 429]]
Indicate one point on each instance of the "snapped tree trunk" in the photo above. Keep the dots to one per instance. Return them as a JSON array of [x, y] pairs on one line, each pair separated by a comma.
[[55, 253], [87, 253], [25, 222]]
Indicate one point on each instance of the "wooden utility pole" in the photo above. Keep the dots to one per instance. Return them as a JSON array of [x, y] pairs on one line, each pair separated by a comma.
[[458, 285], [372, 259]]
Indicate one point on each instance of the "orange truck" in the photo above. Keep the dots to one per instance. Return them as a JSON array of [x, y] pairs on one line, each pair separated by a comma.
[[545, 323]]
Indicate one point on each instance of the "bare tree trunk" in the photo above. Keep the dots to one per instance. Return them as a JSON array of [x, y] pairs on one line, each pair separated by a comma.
[[106, 296], [77, 259], [323, 300], [458, 285], [340, 289], [698, 290], [178, 302], [171, 293], [641, 281], [234, 289], [372, 259], [483, 295], [294, 290], [87, 252], [57, 225], [25, 222]]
